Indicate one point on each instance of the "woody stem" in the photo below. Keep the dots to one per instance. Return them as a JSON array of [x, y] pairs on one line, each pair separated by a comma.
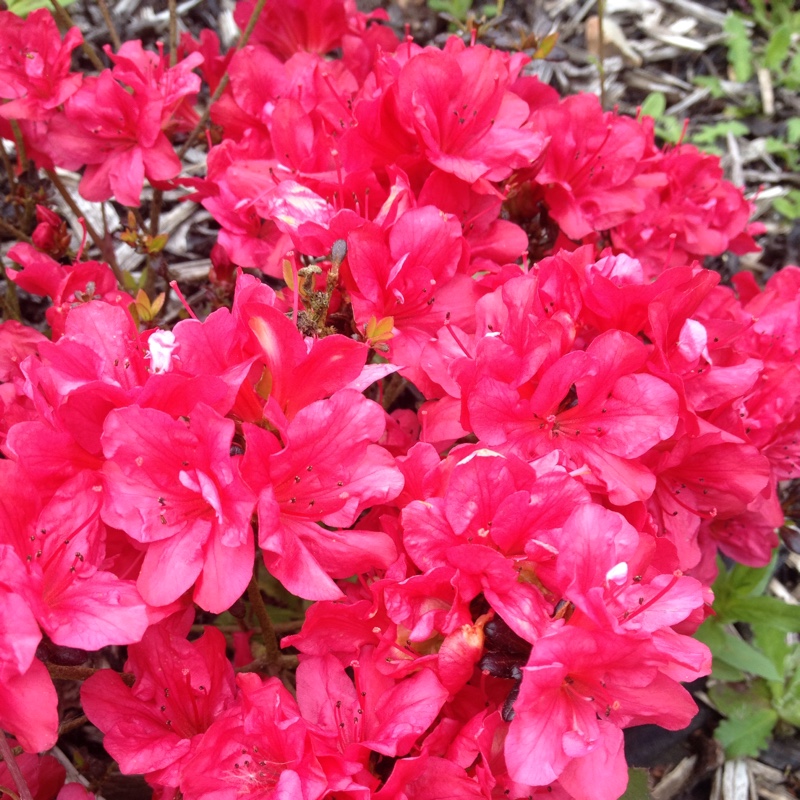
[[243, 39], [106, 252], [273, 653], [13, 768]]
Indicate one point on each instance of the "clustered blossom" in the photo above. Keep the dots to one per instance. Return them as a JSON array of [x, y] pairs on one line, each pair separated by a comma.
[[504, 577]]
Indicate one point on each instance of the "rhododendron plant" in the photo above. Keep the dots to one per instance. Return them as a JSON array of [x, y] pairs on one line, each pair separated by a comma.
[[475, 419]]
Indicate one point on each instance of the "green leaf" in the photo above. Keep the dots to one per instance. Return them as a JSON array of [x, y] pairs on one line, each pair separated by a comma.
[[24, 7], [751, 580], [793, 130], [669, 129], [766, 611], [748, 735], [740, 55], [735, 652], [788, 703], [455, 8], [777, 48], [750, 718], [654, 105], [708, 134], [727, 673], [712, 83], [788, 206], [638, 785]]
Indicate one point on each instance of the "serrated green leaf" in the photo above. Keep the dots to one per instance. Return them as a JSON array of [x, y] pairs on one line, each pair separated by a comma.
[[712, 83], [767, 611], [737, 700], [793, 130], [746, 737], [740, 55], [638, 785], [777, 48], [788, 703], [708, 134], [654, 105]]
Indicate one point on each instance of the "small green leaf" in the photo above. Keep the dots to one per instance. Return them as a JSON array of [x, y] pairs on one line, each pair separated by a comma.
[[788, 206], [750, 718], [748, 735], [654, 105], [669, 129], [740, 55], [712, 83], [638, 785], [793, 130], [708, 134], [455, 8], [777, 48], [24, 7]]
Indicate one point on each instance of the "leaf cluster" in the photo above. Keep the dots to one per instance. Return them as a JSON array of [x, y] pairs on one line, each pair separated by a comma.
[[756, 659]]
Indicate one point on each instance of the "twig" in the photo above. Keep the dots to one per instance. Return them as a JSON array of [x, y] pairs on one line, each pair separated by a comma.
[[106, 252], [13, 768], [173, 33], [66, 20], [62, 673], [243, 39], [273, 654], [11, 309], [112, 31], [22, 156], [11, 230], [12, 180], [601, 39], [72, 724]]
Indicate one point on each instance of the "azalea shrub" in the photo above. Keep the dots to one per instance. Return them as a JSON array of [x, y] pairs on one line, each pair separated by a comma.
[[468, 393]]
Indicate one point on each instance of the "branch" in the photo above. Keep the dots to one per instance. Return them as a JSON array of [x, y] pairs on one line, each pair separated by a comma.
[[273, 656]]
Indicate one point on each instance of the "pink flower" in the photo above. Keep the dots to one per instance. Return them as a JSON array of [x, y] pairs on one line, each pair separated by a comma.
[[35, 65], [181, 688], [578, 689], [259, 748], [28, 702], [118, 135], [173, 485], [76, 602], [457, 102], [592, 177], [43, 774], [329, 471]]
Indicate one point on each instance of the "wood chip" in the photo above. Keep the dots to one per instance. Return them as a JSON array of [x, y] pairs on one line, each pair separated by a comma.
[[614, 41], [767, 92], [734, 160], [675, 780], [732, 782], [701, 12]]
